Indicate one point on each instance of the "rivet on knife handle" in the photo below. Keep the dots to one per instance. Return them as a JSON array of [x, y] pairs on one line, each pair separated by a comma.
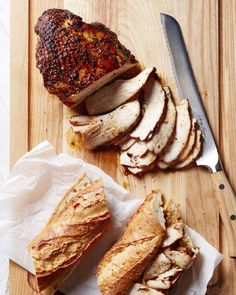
[[226, 200]]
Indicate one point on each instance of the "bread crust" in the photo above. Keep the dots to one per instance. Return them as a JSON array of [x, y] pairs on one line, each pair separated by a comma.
[[80, 219], [123, 264], [72, 54]]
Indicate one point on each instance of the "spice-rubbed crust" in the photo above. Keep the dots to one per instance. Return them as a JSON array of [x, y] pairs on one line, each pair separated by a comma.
[[72, 55], [78, 222]]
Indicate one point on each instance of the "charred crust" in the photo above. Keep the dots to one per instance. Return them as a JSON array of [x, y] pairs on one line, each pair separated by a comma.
[[72, 54]]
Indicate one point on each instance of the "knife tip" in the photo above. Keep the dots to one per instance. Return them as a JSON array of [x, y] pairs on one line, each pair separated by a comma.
[[167, 18]]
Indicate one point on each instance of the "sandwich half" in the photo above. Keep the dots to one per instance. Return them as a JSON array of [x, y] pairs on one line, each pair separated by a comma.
[[123, 264], [79, 220], [154, 250]]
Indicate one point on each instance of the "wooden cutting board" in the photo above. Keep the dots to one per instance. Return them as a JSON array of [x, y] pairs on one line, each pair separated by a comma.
[[209, 36]]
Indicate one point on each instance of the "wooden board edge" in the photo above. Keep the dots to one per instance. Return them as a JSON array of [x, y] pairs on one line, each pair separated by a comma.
[[19, 79], [19, 99]]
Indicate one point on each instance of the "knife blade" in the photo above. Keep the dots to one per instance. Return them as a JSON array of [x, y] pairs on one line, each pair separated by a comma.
[[187, 88]]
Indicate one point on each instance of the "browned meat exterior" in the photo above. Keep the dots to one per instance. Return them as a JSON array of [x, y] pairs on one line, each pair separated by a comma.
[[76, 58]]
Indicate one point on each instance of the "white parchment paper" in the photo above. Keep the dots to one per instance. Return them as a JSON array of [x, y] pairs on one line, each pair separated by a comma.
[[35, 186]]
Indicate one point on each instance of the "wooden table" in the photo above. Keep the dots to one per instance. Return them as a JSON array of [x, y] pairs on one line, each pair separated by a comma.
[[209, 31]]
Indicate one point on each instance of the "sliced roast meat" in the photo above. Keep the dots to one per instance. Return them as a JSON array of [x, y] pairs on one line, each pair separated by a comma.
[[155, 101], [191, 141], [162, 165], [138, 149], [190, 153], [174, 233], [163, 134], [116, 93], [140, 289], [180, 259], [135, 170], [105, 128], [77, 58], [137, 161], [139, 171], [194, 153], [174, 224], [159, 284], [159, 265], [127, 144], [182, 131]]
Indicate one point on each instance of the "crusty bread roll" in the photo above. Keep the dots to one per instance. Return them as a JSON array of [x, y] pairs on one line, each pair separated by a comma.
[[123, 264], [78, 221], [175, 255], [153, 252]]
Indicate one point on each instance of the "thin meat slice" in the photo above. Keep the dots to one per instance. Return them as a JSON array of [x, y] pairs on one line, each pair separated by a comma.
[[127, 144], [140, 289], [163, 134], [155, 101], [182, 131], [117, 93], [187, 150], [139, 149], [159, 265], [137, 161], [121, 139], [100, 130], [191, 141], [135, 170], [162, 165], [194, 154], [139, 171]]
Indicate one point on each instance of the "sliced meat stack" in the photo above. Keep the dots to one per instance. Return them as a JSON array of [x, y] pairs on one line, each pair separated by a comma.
[[166, 136], [99, 130]]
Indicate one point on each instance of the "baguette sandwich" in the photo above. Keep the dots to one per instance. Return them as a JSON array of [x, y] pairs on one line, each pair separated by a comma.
[[124, 263], [152, 253], [79, 220]]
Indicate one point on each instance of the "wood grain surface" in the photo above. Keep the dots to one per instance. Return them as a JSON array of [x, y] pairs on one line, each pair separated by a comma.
[[209, 32]]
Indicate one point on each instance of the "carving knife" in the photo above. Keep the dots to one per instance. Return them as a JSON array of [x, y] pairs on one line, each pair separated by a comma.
[[187, 88]]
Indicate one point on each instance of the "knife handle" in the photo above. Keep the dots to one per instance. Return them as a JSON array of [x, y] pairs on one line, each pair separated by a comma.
[[226, 200]]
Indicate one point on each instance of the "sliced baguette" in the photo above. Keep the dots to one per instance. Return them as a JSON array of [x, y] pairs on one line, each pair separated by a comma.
[[79, 220]]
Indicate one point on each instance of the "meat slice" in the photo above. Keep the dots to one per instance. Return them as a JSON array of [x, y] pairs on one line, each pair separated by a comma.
[[166, 280], [139, 149], [159, 265], [181, 259], [139, 171], [162, 165], [194, 153], [155, 100], [76, 58], [117, 93], [187, 150], [127, 144], [163, 134], [140, 289], [138, 161], [100, 130], [183, 127], [191, 141]]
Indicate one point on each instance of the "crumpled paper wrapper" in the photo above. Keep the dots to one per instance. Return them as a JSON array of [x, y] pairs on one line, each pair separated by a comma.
[[36, 184]]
